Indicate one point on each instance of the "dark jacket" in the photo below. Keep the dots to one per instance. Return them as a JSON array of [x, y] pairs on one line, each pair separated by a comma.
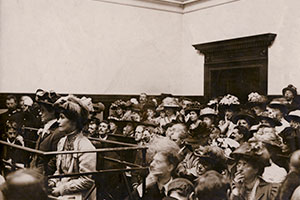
[[47, 142]]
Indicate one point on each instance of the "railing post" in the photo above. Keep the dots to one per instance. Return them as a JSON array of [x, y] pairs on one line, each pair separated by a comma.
[[144, 174]]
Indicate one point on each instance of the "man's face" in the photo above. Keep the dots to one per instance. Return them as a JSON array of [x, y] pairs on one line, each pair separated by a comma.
[[92, 128], [103, 128], [143, 98], [160, 166], [288, 95], [11, 134], [11, 104], [139, 133], [177, 133]]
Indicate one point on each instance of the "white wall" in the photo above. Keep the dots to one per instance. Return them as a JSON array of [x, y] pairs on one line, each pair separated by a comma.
[[245, 18], [88, 46], [93, 47]]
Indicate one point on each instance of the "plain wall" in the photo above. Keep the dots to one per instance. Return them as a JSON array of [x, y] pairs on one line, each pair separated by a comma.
[[93, 47], [90, 47], [244, 18]]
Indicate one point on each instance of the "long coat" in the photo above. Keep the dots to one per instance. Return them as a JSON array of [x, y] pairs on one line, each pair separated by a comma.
[[79, 163]]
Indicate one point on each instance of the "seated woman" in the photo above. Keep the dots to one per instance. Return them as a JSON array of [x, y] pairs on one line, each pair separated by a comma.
[[251, 158], [72, 118]]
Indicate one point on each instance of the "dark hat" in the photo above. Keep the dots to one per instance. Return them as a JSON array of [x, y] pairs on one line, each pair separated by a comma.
[[253, 150], [269, 118], [150, 105], [118, 104], [213, 155], [293, 115], [244, 115], [279, 103], [291, 88], [195, 106], [45, 97]]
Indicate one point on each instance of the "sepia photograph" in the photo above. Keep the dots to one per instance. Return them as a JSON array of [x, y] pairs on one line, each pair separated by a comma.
[[149, 100]]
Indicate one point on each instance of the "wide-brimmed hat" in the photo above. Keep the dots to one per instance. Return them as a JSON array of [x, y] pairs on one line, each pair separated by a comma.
[[207, 112], [279, 103], [74, 108], [213, 155], [293, 115], [253, 150], [170, 102], [229, 102], [272, 120], [195, 106], [255, 99], [290, 87], [98, 107], [118, 104], [46, 97], [244, 115]]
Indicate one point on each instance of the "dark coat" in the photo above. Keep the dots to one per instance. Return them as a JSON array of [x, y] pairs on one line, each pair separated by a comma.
[[47, 143], [291, 182], [265, 191]]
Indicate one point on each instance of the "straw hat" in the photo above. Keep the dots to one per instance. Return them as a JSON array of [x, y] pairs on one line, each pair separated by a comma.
[[207, 112]]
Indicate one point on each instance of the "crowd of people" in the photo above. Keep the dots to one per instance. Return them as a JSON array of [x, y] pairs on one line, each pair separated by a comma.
[[216, 150]]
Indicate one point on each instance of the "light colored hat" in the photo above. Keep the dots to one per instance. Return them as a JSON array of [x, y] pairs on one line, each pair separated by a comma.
[[255, 98], [207, 112], [170, 102]]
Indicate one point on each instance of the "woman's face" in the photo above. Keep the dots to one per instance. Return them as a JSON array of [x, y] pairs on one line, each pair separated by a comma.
[[112, 126], [46, 115], [202, 168], [228, 114], [169, 111], [243, 123], [65, 124], [246, 170], [138, 133], [295, 124], [257, 110], [236, 135], [193, 116], [119, 111], [208, 121], [150, 113]]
